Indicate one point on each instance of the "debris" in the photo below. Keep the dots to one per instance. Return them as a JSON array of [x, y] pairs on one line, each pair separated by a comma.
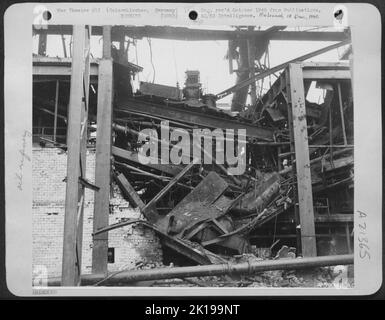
[[297, 157], [285, 253], [215, 210]]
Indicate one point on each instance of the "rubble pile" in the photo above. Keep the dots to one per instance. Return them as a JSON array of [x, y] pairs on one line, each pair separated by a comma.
[[226, 190], [198, 209]]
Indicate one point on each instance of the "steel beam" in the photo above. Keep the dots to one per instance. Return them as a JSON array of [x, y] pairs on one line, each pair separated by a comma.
[[103, 155], [195, 117], [305, 196], [181, 33]]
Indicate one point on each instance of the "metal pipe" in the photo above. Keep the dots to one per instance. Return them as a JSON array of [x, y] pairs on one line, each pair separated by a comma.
[[213, 270]]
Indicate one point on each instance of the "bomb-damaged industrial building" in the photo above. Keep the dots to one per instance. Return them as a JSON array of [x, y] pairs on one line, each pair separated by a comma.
[[117, 200]]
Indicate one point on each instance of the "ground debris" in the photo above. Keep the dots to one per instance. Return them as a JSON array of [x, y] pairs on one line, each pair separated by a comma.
[[339, 277]]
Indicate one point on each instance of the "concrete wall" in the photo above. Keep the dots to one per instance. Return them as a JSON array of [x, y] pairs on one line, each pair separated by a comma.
[[133, 244]]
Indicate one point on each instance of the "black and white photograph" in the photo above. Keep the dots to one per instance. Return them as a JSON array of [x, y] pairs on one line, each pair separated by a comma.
[[197, 155], [132, 152]]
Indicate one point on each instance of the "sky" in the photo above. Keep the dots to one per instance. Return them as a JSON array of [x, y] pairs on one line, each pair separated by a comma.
[[171, 58]]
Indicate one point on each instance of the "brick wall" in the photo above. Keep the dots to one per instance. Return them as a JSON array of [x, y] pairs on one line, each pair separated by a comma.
[[133, 244]]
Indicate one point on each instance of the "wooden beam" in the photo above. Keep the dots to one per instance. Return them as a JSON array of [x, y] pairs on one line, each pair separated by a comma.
[[313, 74], [130, 192], [107, 42], [285, 77], [182, 33], [321, 65], [251, 55], [348, 244], [305, 196], [310, 36], [53, 66], [334, 218], [56, 107], [42, 45], [71, 264], [64, 46], [171, 184], [103, 160], [230, 56], [83, 138], [342, 112], [331, 133], [170, 169]]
